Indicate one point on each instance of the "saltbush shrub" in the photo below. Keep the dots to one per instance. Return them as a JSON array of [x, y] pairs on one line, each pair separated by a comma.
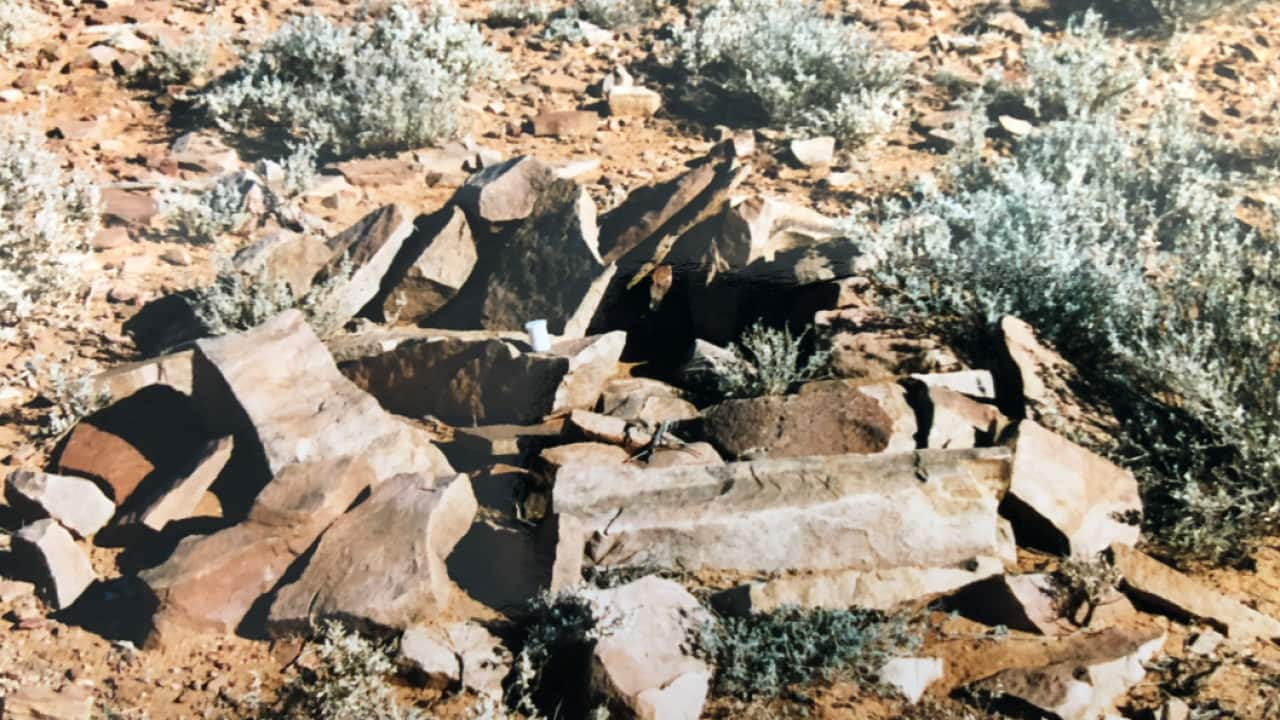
[[773, 362], [518, 13], [238, 300], [390, 81], [618, 13], [204, 216], [796, 67], [1122, 247], [47, 216], [761, 655]]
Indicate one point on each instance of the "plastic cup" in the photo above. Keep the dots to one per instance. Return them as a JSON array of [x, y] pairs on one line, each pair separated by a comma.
[[539, 340]]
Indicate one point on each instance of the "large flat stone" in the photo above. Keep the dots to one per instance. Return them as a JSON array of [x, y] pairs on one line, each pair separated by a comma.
[[488, 381], [1066, 498], [839, 512], [382, 564], [292, 402], [210, 582], [77, 504]]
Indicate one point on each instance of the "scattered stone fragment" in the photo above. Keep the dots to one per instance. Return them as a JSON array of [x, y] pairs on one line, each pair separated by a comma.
[[911, 676], [1015, 126], [38, 703], [974, 383], [815, 152], [367, 250], [463, 653], [372, 172], [1205, 643], [1175, 709], [839, 512], [565, 123], [643, 663], [434, 264], [633, 101], [1065, 497], [11, 590], [1082, 688], [874, 589], [179, 500], [382, 564], [826, 419], [1155, 583], [506, 191], [210, 582], [77, 504], [467, 382], [645, 400], [299, 408], [50, 556], [949, 419]]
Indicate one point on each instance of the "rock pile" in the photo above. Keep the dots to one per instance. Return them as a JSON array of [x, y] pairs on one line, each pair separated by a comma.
[[278, 480]]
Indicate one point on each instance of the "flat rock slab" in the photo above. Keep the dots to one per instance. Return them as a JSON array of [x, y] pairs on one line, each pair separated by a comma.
[[77, 504], [838, 512], [873, 590], [368, 249], [432, 266], [1033, 603], [643, 663], [1155, 583], [827, 419], [47, 553], [210, 582], [116, 464], [487, 381], [179, 500], [504, 192], [1067, 498], [382, 564], [299, 408]]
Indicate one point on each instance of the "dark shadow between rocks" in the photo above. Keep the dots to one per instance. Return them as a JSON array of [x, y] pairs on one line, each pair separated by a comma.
[[117, 610]]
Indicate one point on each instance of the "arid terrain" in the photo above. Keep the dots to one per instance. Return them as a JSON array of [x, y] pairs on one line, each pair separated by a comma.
[[277, 442]]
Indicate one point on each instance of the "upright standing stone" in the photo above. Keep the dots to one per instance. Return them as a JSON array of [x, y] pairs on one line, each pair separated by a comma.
[[59, 566], [367, 249], [431, 269]]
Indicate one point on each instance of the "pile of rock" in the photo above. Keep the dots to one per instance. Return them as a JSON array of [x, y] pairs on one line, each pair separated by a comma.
[[269, 481]]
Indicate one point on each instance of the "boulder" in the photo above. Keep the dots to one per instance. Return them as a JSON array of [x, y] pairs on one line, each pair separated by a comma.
[[382, 564], [633, 101], [642, 667], [1065, 498], [367, 250], [837, 512], [645, 400], [458, 653], [281, 391], [282, 256], [47, 554], [825, 419], [1034, 603], [552, 460], [466, 382], [1084, 687], [180, 498], [870, 589], [550, 269], [886, 355], [77, 504], [814, 152], [432, 266], [210, 582], [949, 419], [504, 192], [1155, 584], [565, 123], [116, 464]]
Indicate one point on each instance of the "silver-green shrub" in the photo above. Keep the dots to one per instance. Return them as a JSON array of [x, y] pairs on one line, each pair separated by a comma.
[[518, 13], [47, 216], [1122, 247], [618, 13], [390, 81], [773, 362], [205, 216], [15, 17], [238, 300], [174, 64], [801, 69]]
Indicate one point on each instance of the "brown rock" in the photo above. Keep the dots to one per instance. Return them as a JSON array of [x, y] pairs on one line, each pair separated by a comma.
[[124, 380], [644, 664], [1154, 583], [128, 206], [368, 247], [462, 653], [888, 355], [432, 267], [372, 172], [698, 453], [608, 429], [506, 191], [299, 408], [511, 444], [77, 504], [1066, 498], [47, 554], [826, 419], [105, 457], [645, 400], [1034, 603], [855, 512], [37, 703], [294, 258], [180, 498], [468, 382], [565, 123], [383, 564], [553, 459], [951, 420], [210, 582]]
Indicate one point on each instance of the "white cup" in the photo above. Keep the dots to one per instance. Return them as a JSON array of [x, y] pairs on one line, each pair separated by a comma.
[[539, 340]]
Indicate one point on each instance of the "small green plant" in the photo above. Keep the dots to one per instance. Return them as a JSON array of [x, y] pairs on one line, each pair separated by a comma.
[[773, 362], [238, 301], [518, 13], [70, 398], [393, 80], [47, 216], [618, 13], [762, 655], [299, 168], [169, 64], [555, 639], [795, 67], [348, 680], [1081, 586], [203, 217]]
